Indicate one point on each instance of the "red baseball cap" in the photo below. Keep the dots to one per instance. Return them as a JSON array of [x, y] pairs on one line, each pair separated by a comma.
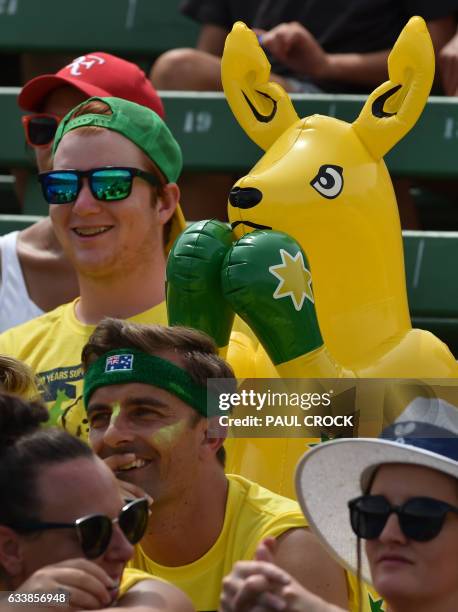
[[95, 74]]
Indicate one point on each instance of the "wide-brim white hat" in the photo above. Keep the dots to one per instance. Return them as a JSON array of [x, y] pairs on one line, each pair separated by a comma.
[[333, 473]]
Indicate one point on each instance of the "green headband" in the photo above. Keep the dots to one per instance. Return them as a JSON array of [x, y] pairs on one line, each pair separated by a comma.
[[126, 365]]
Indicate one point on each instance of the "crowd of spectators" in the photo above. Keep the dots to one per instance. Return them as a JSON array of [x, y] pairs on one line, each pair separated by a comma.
[[114, 492]]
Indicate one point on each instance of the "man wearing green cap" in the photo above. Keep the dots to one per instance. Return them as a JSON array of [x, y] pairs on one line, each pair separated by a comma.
[[146, 400], [114, 206]]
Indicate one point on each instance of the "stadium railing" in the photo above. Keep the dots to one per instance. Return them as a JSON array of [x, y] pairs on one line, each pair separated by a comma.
[[430, 262], [212, 140], [135, 27], [11, 223]]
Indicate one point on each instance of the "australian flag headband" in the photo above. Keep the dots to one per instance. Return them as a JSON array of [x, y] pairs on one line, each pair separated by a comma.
[[128, 365]]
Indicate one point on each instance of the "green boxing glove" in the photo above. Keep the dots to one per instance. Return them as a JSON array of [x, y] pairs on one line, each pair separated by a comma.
[[267, 281], [193, 289]]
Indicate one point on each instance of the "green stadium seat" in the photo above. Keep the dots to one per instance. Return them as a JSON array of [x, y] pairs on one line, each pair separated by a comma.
[[11, 223], [8, 200], [34, 202], [437, 210], [212, 140], [136, 27], [13, 150], [431, 259]]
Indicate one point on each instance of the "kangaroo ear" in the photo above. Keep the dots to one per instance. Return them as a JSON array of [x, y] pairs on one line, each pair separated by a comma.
[[394, 107], [263, 109]]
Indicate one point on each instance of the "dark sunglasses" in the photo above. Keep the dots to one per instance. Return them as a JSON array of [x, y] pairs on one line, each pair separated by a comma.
[[420, 518], [40, 128], [94, 531], [108, 184]]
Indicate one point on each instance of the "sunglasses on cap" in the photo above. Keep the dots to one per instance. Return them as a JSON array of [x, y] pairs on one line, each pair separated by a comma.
[[107, 184], [94, 531], [420, 518], [40, 128]]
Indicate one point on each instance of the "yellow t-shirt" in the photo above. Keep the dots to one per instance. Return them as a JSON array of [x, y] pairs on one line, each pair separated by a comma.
[[252, 514], [52, 345], [130, 577], [370, 600]]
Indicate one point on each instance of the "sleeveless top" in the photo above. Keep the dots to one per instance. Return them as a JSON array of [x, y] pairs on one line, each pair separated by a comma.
[[15, 304]]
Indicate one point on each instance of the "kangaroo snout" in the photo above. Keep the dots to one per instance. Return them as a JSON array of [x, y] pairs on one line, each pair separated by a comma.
[[245, 197]]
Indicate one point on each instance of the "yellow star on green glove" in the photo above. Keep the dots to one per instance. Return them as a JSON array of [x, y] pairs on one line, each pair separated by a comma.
[[295, 279]]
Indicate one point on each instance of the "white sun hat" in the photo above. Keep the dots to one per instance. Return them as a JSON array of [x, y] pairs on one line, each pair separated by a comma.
[[333, 473]]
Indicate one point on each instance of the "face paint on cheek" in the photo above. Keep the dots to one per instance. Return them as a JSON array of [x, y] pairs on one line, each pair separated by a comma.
[[167, 436], [115, 410]]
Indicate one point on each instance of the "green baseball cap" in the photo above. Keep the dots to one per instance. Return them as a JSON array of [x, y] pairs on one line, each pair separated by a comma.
[[139, 124], [144, 128]]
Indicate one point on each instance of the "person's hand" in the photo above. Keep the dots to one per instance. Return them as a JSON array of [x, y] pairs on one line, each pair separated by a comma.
[[295, 47], [128, 490], [448, 65], [298, 599], [261, 586], [88, 586], [266, 550], [252, 586]]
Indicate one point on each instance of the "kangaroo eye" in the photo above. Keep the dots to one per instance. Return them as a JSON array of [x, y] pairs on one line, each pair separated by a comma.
[[329, 181]]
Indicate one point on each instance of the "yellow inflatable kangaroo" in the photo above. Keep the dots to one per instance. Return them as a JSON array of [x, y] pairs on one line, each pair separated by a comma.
[[321, 191], [324, 182]]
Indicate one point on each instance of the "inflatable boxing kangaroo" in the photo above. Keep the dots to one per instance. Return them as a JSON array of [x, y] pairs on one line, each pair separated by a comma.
[[321, 191], [323, 182]]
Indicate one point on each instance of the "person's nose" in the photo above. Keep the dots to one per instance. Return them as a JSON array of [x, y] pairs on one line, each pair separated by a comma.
[[392, 531], [86, 204], [117, 433], [120, 549]]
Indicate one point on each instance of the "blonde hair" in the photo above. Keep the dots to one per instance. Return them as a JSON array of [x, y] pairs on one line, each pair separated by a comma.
[[17, 378]]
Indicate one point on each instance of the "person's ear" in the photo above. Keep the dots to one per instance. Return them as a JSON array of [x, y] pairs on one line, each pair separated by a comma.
[[212, 436], [167, 202], [11, 553]]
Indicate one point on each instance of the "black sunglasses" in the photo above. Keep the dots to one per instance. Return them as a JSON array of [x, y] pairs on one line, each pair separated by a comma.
[[420, 518], [94, 531], [40, 128], [110, 183]]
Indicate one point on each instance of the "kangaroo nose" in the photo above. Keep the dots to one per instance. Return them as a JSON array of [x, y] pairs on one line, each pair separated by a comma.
[[245, 197]]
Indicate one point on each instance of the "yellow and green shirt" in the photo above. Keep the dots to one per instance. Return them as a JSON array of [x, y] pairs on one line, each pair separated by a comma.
[[52, 345]]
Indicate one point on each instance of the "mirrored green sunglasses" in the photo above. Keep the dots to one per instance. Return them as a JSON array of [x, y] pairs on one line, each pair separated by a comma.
[[107, 184]]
